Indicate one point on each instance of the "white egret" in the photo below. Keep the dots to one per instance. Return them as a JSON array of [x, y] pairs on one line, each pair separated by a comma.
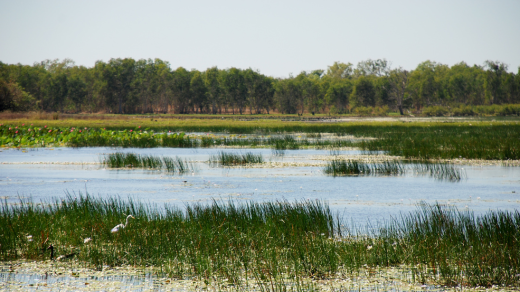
[[121, 226]]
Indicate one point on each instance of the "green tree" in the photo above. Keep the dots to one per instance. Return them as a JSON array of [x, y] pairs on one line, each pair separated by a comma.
[[398, 82], [494, 82], [119, 77], [340, 70], [77, 91], [211, 80], [363, 94], [181, 93], [233, 83], [337, 96], [198, 92]]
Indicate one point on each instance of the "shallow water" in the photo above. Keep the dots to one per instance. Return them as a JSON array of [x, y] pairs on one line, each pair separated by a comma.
[[358, 199]]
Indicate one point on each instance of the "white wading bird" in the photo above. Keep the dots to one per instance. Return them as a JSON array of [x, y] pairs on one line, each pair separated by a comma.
[[121, 226]]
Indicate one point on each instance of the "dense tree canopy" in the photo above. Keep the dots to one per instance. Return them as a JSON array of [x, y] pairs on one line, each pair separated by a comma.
[[152, 86]]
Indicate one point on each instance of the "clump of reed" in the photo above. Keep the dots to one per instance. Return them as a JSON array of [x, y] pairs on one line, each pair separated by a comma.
[[271, 243], [440, 171], [132, 160], [457, 248], [231, 159], [339, 167]]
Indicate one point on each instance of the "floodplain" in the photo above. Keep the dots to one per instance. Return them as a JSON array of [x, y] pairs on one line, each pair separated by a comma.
[[411, 206]]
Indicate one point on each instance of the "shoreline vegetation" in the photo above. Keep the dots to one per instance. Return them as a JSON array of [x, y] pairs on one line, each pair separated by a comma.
[[267, 245], [486, 140]]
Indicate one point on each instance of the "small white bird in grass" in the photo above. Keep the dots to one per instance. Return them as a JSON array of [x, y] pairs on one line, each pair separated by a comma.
[[121, 226]]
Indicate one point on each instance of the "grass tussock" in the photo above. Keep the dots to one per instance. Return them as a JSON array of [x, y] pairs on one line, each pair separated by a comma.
[[265, 242], [440, 171], [132, 160], [233, 159]]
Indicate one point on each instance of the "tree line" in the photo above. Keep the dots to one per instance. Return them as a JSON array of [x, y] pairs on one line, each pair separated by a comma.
[[127, 86]]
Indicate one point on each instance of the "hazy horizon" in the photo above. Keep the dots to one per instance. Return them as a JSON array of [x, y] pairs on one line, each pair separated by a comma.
[[276, 38]]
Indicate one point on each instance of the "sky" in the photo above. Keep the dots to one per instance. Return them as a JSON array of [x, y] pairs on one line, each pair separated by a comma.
[[278, 38]]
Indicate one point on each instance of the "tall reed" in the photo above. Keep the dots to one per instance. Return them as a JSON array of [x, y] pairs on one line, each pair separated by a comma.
[[132, 160], [273, 242], [229, 159], [440, 171]]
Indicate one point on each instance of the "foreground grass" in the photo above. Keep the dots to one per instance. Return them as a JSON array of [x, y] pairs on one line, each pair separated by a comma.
[[267, 243]]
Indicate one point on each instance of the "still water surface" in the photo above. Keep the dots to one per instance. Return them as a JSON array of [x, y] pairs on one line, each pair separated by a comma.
[[358, 199]]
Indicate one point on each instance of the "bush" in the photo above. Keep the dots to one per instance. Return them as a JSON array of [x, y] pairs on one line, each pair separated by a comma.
[[463, 111], [434, 111], [363, 111]]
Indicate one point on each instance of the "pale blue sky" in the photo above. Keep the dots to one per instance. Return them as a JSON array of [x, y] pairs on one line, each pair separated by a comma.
[[275, 37]]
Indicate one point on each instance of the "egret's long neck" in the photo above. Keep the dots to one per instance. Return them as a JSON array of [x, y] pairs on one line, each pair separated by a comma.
[[127, 221]]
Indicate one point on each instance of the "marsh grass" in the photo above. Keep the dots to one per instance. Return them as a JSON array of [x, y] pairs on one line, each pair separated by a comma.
[[439, 171], [232, 159], [338, 167], [132, 160], [456, 247], [499, 140], [274, 243]]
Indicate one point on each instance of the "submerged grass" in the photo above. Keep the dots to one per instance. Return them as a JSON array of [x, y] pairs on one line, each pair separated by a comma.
[[272, 243], [132, 160], [232, 159], [440, 171]]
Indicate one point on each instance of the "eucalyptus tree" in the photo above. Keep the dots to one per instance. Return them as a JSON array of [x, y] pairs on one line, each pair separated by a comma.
[[181, 93], [162, 79], [233, 83], [426, 84], [340, 70], [494, 82], [144, 85], [378, 68], [259, 91], [337, 96], [119, 76], [398, 86], [312, 92], [57, 91], [77, 91], [198, 92], [213, 89], [364, 93], [287, 95], [13, 97], [267, 90]]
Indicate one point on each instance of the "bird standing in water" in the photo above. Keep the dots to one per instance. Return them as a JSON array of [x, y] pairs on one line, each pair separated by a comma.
[[61, 257], [121, 226]]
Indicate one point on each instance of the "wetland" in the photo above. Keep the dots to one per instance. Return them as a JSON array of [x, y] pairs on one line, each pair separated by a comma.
[[262, 211]]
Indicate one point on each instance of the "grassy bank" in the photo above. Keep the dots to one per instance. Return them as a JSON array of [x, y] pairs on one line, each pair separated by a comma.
[[269, 243]]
